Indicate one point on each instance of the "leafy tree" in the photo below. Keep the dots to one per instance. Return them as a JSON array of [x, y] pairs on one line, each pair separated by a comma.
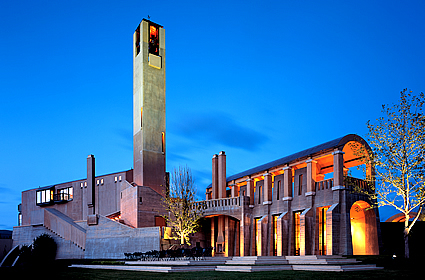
[[179, 201], [397, 141]]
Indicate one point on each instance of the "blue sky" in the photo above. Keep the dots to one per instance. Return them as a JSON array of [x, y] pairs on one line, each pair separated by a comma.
[[257, 79]]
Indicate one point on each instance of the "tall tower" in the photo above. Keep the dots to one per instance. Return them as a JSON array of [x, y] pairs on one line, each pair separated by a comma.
[[149, 105]]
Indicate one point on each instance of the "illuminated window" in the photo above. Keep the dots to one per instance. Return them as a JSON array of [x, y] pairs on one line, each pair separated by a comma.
[[101, 181], [44, 197], [97, 182], [64, 194], [115, 179], [300, 184], [85, 184], [256, 235], [274, 227], [153, 39], [322, 229], [297, 233], [120, 178], [81, 185], [163, 142]]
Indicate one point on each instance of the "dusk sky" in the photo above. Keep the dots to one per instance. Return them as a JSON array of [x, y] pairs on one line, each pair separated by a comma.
[[258, 79]]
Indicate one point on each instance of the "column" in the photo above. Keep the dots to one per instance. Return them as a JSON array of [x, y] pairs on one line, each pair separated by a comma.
[[267, 188], [250, 191], [311, 177], [287, 183], [221, 175], [214, 177]]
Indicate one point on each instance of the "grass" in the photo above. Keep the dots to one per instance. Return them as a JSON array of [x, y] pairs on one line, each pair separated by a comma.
[[394, 269]]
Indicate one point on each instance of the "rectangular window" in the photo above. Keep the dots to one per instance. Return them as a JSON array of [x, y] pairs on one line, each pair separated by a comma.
[[44, 197], [260, 188], [256, 235], [274, 227], [300, 184], [163, 142], [64, 195], [322, 229], [153, 39], [297, 233], [278, 189]]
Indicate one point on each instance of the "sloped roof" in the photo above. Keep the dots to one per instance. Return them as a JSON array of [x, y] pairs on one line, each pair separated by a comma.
[[336, 143]]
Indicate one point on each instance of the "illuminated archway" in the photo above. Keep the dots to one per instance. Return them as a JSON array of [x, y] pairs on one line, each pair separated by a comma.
[[363, 229]]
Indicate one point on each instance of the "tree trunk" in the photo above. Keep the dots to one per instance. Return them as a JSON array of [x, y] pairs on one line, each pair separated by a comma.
[[182, 240], [406, 237]]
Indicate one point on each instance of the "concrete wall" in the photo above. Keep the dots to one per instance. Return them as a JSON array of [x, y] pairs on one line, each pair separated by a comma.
[[110, 239]]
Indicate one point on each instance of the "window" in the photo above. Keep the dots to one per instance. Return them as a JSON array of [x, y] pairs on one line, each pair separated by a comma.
[[278, 189], [120, 178], [44, 197], [101, 181], [300, 184], [274, 227], [153, 39], [115, 179], [297, 233], [97, 182], [163, 142], [64, 194], [322, 229]]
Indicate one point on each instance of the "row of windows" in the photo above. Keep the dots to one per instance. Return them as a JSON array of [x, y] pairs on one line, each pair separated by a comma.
[[47, 196], [101, 181]]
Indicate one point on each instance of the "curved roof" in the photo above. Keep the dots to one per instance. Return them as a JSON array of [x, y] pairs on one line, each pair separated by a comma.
[[331, 145]]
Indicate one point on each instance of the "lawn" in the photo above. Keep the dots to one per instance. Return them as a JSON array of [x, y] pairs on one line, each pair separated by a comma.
[[394, 269]]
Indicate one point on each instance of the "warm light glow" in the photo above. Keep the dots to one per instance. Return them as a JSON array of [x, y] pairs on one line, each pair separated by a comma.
[[358, 227], [153, 31]]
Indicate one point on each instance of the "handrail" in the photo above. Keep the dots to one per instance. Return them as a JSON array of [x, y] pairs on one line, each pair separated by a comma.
[[219, 202], [64, 227]]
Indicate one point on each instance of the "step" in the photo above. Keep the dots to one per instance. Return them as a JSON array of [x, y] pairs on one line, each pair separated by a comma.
[[252, 268]]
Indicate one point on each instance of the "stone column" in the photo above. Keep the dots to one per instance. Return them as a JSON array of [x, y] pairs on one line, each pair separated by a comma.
[[267, 188], [338, 169], [213, 241], [234, 190], [221, 175], [250, 191], [245, 235], [214, 177], [287, 183], [311, 176]]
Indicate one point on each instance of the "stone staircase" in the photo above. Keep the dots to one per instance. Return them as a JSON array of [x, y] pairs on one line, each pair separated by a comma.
[[245, 264]]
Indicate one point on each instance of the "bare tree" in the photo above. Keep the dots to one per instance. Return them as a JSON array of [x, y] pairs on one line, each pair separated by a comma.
[[397, 141], [179, 201]]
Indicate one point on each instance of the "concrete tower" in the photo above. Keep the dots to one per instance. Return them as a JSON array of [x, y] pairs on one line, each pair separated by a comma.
[[149, 106]]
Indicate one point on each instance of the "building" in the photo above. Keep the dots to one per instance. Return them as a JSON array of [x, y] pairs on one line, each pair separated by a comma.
[[296, 205], [302, 204], [106, 216]]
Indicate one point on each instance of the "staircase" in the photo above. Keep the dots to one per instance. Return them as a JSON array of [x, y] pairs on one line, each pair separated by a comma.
[[64, 227]]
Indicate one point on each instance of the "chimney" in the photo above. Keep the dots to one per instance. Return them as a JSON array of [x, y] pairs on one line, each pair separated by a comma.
[[221, 175], [214, 177], [91, 192], [90, 185]]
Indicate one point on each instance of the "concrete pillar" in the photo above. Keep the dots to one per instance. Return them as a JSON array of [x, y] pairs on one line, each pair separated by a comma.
[[287, 183], [311, 176], [227, 239], [267, 188], [234, 190], [91, 191], [214, 177], [338, 169], [250, 191], [307, 240], [245, 235], [221, 175]]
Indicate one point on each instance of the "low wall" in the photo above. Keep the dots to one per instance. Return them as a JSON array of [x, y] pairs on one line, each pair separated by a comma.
[[110, 240]]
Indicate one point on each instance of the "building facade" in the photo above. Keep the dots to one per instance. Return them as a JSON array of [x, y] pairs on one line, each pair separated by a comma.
[[106, 216], [302, 204], [297, 205]]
